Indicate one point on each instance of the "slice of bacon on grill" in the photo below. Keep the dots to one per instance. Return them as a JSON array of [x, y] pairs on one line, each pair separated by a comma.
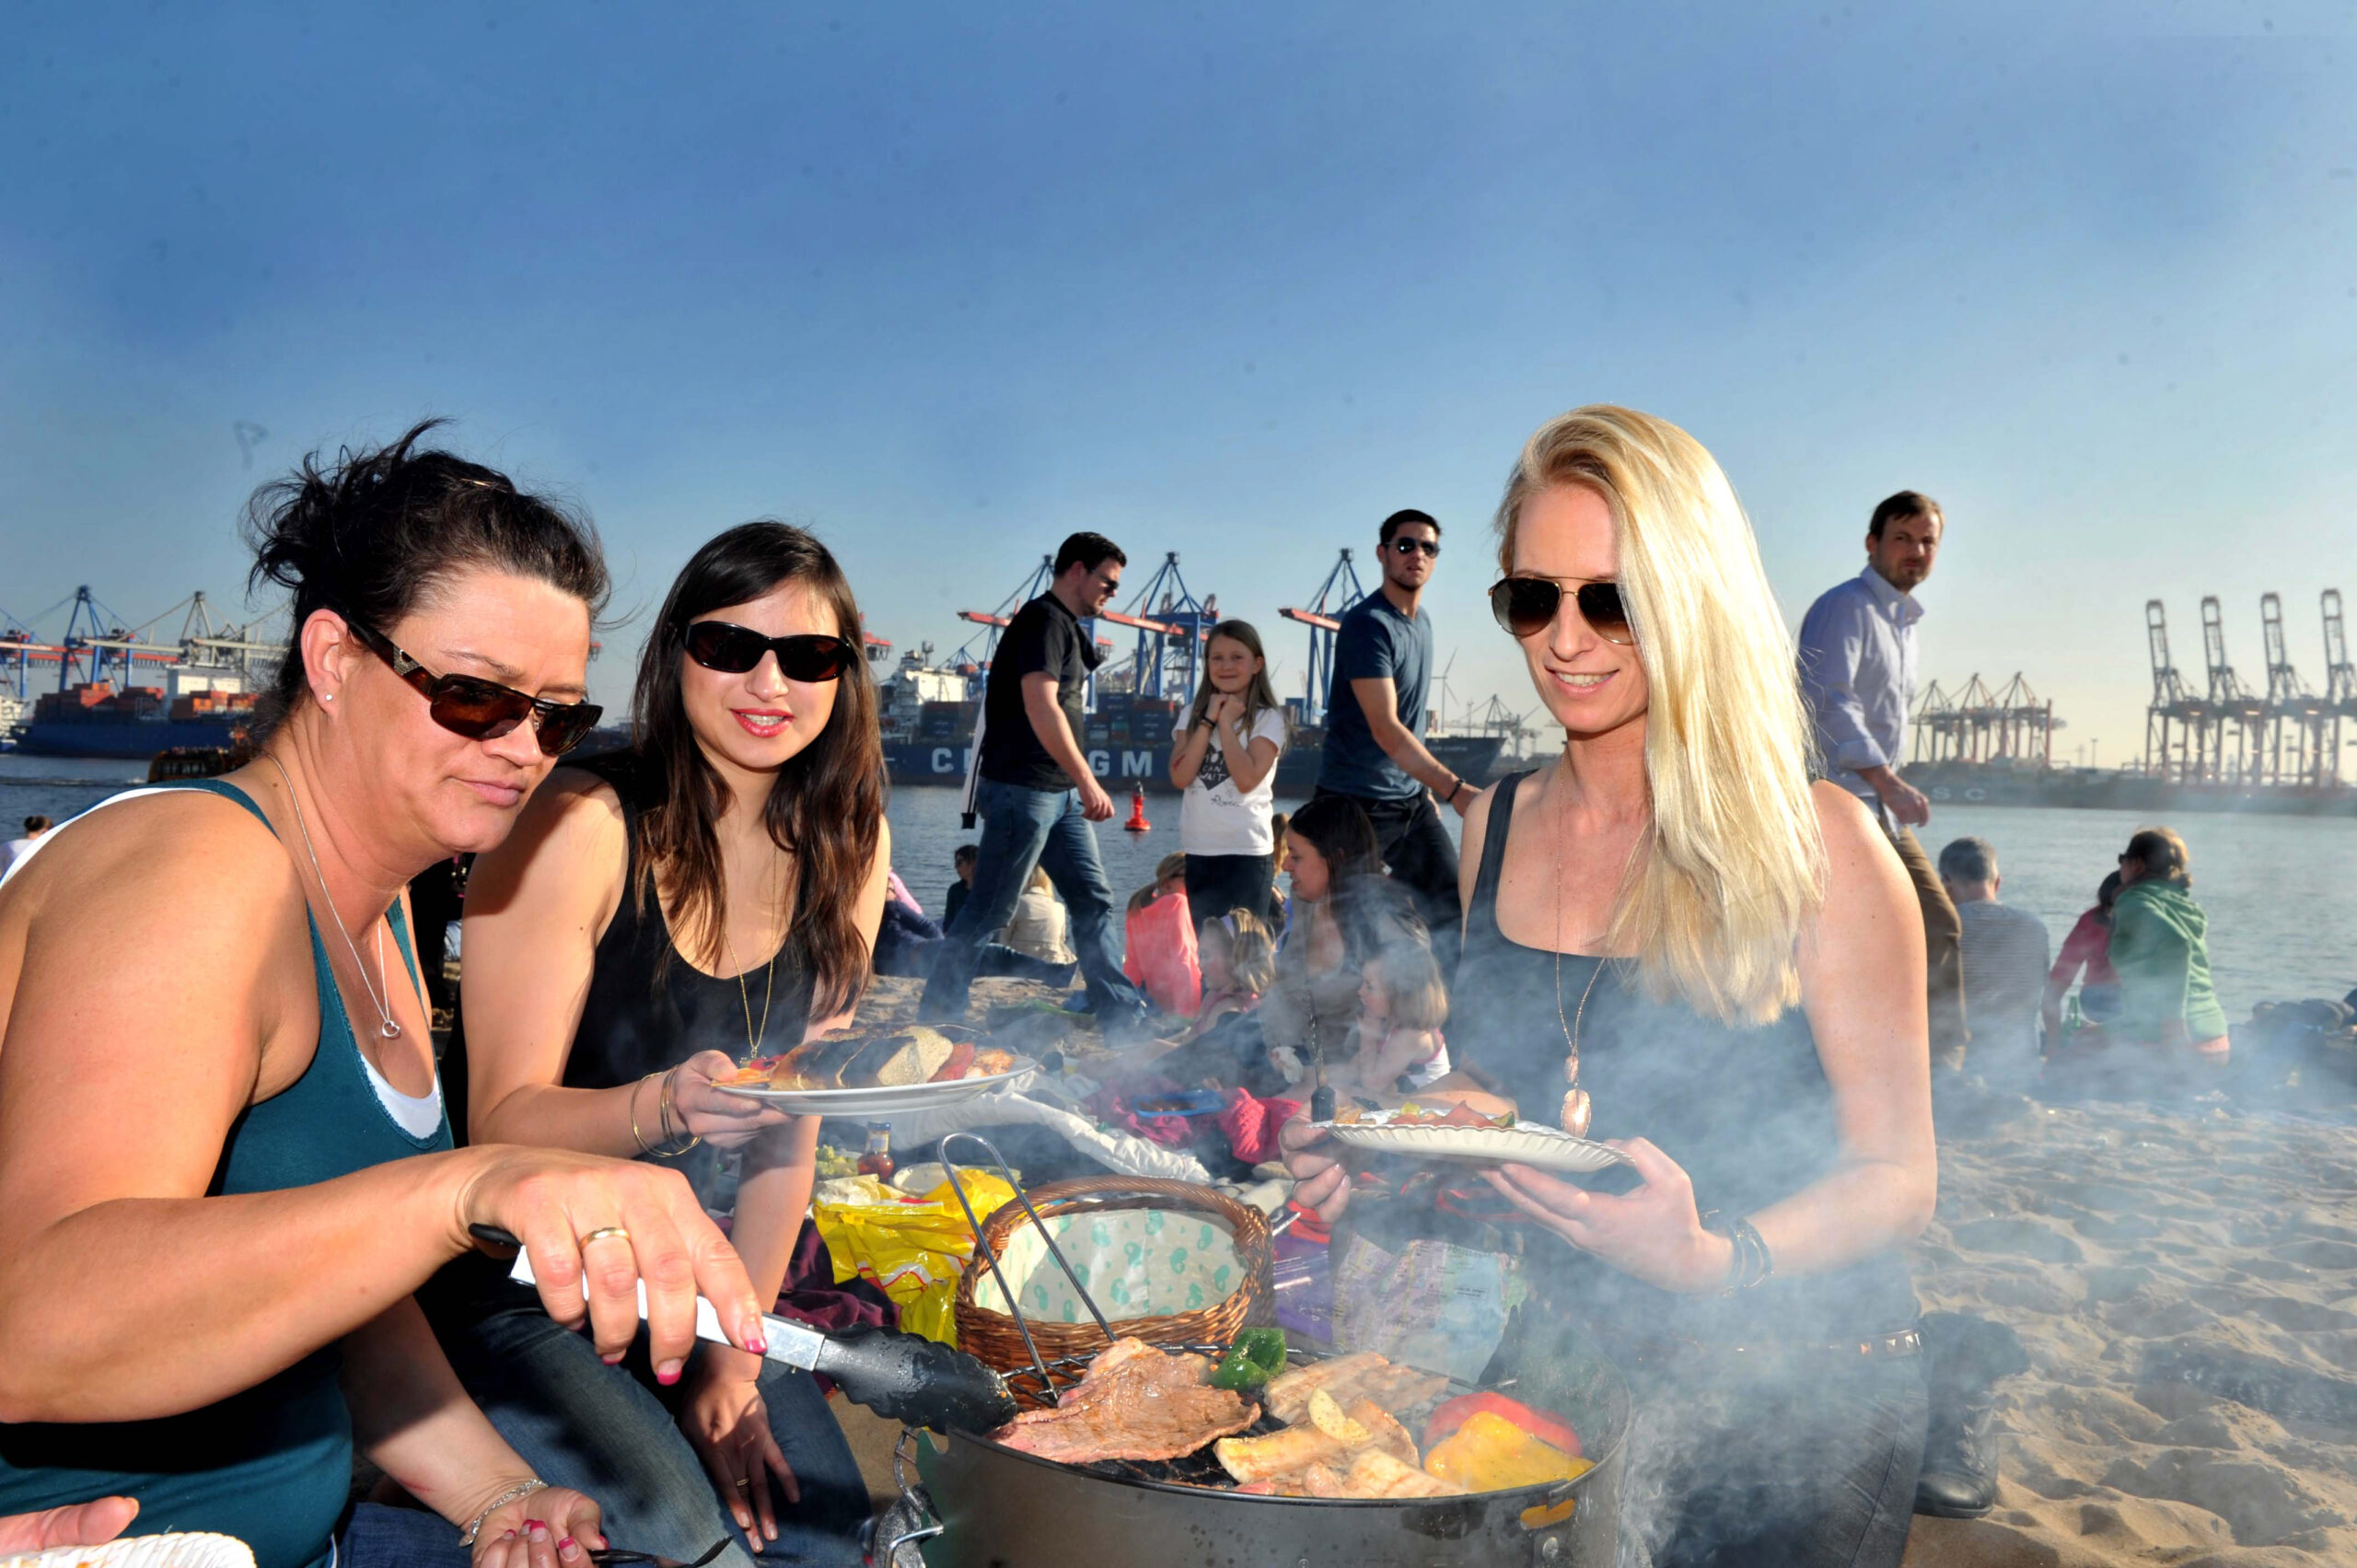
[[1375, 1474], [1135, 1402], [1288, 1392]]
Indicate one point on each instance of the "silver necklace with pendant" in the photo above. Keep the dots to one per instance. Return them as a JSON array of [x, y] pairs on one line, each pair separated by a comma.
[[387, 1028]]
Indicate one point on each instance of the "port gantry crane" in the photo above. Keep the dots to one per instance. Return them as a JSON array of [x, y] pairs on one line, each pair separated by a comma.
[[2177, 732], [1170, 643], [2012, 724], [2339, 680], [2238, 714], [1323, 617], [1172, 627], [2298, 720]]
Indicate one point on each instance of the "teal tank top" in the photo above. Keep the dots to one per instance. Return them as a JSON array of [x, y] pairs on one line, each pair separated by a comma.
[[271, 1466]]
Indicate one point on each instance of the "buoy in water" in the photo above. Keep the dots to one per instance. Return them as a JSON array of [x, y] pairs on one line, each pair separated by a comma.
[[1137, 822]]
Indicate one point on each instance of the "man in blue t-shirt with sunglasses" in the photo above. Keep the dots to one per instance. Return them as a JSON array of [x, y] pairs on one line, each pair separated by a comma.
[[1374, 724]]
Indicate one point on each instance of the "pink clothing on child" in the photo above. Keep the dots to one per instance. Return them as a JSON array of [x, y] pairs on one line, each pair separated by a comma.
[[1161, 955]]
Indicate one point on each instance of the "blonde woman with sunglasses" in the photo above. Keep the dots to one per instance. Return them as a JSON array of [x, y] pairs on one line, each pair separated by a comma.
[[1677, 943]]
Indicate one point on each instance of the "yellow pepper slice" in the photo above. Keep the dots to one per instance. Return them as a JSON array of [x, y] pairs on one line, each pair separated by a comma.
[[1489, 1453]]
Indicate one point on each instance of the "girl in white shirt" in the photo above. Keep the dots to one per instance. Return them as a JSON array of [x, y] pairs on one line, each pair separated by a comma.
[[1223, 757]]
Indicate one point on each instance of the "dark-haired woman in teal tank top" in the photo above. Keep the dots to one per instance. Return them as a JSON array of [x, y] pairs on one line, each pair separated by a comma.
[[224, 1167]]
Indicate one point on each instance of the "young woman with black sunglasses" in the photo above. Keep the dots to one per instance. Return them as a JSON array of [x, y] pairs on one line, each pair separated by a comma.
[[224, 1165], [1674, 941], [661, 915]]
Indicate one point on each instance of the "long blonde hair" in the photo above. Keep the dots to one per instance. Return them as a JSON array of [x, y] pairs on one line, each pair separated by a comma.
[[1735, 864]]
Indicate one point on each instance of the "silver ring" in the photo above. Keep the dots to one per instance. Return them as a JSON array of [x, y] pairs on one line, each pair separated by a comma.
[[603, 1233]]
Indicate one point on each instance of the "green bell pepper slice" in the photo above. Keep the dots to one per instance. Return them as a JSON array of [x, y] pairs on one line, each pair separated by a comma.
[[1256, 1355]]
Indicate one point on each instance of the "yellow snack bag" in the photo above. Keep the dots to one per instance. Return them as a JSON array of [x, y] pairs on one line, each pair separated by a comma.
[[913, 1250]]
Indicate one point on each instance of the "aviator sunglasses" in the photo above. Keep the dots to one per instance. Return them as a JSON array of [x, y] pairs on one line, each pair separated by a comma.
[[483, 710], [1526, 606], [734, 650], [1430, 547]]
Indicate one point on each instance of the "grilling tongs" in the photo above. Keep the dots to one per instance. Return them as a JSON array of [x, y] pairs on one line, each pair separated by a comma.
[[902, 1377]]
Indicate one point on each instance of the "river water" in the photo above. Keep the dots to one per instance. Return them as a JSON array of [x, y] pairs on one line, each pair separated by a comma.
[[2281, 891]]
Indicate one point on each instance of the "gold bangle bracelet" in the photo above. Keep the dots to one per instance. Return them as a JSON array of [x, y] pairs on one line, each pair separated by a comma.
[[663, 1115], [640, 1138]]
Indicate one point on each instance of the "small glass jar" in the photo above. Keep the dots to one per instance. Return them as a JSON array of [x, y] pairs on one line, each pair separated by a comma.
[[878, 1161]]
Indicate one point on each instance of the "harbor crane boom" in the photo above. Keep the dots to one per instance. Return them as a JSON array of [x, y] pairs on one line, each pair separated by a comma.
[[1323, 617]]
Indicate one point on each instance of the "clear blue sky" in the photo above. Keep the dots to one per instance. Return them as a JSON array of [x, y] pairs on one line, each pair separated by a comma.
[[1230, 280]]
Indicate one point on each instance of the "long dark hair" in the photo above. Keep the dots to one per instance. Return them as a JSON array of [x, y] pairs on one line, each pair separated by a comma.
[[1259, 695], [826, 806], [373, 532], [1365, 907]]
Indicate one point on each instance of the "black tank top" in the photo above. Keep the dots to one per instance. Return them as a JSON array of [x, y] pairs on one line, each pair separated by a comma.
[[1747, 1111], [650, 1008]]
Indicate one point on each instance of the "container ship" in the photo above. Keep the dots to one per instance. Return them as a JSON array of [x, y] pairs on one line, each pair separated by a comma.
[[117, 694], [93, 719]]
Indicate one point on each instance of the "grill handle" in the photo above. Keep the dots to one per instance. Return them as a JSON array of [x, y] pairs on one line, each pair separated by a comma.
[[1015, 1308]]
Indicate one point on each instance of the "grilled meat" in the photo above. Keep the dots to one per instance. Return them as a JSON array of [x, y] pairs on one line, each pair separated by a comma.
[[1279, 1453], [1375, 1474], [1289, 1460], [1288, 1392], [1136, 1402], [1395, 1387]]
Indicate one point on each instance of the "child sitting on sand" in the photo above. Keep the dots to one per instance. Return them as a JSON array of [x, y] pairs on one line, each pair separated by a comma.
[[1239, 964], [1160, 956], [1403, 1003]]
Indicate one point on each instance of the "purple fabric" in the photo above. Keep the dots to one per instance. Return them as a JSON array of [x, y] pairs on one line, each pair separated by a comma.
[[812, 1296]]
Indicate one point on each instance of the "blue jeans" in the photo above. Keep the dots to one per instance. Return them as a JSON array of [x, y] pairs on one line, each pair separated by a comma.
[[1023, 828], [380, 1537], [613, 1433]]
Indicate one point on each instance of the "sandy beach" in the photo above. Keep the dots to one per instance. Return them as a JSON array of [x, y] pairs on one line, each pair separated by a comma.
[[2139, 1251]]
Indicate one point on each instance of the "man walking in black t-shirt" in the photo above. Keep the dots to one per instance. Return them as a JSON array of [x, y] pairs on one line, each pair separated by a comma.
[[1374, 725], [1035, 795]]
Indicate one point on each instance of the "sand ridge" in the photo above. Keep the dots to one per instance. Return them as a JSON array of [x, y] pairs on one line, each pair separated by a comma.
[[2185, 1282]]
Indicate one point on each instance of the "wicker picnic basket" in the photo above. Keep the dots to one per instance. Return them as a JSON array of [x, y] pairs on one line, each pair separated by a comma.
[[993, 1337]]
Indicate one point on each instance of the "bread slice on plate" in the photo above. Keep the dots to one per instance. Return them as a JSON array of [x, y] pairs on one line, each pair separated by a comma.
[[905, 1056], [818, 1063]]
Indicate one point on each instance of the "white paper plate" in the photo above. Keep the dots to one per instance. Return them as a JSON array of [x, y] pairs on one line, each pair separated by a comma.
[[1525, 1142], [184, 1550], [857, 1103]]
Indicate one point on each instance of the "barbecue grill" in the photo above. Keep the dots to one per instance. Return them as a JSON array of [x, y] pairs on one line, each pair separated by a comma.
[[975, 1504]]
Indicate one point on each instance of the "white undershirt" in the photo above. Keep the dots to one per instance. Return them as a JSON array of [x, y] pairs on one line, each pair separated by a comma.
[[417, 1115]]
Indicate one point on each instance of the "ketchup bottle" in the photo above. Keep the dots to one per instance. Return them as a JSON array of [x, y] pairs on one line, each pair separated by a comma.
[[878, 1161]]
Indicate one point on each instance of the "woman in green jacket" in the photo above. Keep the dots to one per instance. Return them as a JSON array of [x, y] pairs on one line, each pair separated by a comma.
[[2159, 945]]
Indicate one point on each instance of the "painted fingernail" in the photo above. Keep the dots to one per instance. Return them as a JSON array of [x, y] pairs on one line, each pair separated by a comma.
[[668, 1373], [537, 1530], [757, 1345], [567, 1549], [615, 1359]]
